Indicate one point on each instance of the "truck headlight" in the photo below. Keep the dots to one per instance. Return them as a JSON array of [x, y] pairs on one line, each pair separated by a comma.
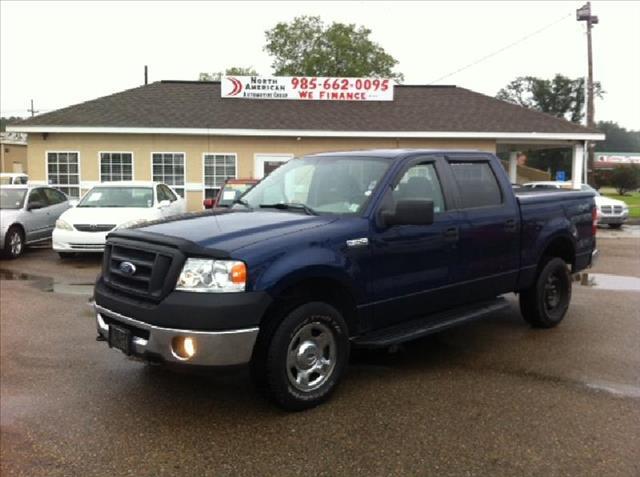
[[212, 276], [63, 225]]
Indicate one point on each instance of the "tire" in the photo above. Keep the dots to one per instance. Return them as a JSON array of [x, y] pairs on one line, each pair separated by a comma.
[[545, 304], [615, 226], [13, 242], [305, 357]]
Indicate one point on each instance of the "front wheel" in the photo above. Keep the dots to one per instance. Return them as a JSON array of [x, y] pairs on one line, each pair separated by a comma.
[[306, 356], [545, 304], [13, 243]]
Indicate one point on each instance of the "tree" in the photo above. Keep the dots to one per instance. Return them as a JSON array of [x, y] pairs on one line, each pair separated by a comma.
[[560, 96], [9, 120], [618, 138], [308, 47], [233, 71], [625, 178]]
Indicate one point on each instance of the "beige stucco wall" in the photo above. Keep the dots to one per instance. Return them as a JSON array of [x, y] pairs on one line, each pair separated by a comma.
[[13, 157], [142, 146]]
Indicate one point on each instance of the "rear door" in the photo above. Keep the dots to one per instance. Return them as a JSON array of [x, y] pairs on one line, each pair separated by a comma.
[[58, 203], [489, 232], [414, 264], [37, 220]]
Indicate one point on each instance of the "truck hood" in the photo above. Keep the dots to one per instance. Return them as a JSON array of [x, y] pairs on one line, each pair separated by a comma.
[[108, 215], [602, 200], [234, 230]]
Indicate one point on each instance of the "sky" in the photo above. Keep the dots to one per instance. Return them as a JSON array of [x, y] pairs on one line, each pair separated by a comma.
[[63, 53]]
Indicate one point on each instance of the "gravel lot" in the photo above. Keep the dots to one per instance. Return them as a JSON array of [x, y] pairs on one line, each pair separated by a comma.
[[492, 398]]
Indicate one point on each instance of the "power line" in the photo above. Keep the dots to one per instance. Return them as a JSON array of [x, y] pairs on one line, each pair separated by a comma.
[[526, 37]]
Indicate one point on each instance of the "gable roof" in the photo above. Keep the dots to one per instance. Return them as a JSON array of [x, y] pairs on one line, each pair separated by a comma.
[[197, 106]]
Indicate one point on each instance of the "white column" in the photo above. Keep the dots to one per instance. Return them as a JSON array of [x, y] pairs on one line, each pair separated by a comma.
[[513, 166], [577, 165]]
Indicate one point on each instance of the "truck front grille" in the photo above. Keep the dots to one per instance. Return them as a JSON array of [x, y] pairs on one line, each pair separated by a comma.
[[139, 269], [606, 209]]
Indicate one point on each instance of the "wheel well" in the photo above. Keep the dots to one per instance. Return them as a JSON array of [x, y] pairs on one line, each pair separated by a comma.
[[19, 227], [559, 247]]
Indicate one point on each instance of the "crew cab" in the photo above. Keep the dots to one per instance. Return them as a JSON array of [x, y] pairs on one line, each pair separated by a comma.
[[336, 251]]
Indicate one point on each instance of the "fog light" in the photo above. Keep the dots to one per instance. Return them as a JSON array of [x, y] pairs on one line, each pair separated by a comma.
[[183, 347]]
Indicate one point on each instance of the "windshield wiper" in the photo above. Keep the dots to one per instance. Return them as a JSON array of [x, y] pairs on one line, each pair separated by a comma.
[[290, 205], [241, 202]]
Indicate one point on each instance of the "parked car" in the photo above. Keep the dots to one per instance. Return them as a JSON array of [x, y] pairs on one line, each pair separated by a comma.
[[9, 178], [27, 216], [230, 191], [110, 206], [341, 250], [611, 212]]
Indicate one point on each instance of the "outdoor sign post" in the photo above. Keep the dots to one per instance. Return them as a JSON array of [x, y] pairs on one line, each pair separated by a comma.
[[314, 88]]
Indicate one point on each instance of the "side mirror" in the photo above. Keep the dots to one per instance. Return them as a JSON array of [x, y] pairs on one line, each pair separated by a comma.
[[73, 203], [164, 203], [410, 212], [36, 204], [208, 203]]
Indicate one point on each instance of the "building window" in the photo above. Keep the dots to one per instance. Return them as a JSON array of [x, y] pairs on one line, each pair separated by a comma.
[[116, 166], [168, 167], [63, 172], [217, 169]]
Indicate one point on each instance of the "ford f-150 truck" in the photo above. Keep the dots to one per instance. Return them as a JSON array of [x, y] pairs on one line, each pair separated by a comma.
[[341, 250]]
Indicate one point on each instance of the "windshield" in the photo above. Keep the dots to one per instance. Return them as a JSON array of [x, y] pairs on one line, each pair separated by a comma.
[[12, 198], [336, 185], [231, 192], [118, 197]]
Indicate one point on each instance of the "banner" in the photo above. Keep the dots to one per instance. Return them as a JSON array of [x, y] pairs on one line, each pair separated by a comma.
[[307, 88]]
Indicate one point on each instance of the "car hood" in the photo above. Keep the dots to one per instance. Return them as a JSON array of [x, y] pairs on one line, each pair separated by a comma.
[[107, 215], [233, 230], [602, 200]]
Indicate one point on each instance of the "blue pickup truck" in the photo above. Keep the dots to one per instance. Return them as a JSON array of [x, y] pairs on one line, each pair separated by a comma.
[[341, 250]]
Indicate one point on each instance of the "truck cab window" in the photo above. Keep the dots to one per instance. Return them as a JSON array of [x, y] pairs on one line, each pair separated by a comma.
[[420, 182], [477, 184]]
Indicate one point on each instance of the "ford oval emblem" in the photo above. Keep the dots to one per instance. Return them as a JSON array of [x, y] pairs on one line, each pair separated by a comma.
[[127, 268]]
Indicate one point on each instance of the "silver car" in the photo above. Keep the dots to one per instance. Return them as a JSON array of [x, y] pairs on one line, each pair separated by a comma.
[[28, 215]]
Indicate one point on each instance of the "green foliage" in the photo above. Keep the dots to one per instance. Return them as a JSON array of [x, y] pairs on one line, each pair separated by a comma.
[[308, 47], [618, 138], [9, 120], [625, 178], [233, 71], [560, 96]]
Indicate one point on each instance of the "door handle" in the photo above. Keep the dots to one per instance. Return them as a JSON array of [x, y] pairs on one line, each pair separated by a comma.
[[451, 234], [510, 225]]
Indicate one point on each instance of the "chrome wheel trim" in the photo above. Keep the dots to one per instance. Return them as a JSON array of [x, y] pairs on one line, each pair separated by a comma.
[[311, 357], [15, 244]]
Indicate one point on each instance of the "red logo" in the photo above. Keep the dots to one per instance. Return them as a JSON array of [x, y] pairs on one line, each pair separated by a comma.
[[237, 86]]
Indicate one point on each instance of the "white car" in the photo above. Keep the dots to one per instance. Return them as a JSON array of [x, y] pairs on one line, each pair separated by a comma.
[[110, 206], [610, 211], [13, 178]]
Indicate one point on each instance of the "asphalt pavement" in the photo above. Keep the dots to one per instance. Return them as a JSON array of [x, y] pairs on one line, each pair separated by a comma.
[[491, 398]]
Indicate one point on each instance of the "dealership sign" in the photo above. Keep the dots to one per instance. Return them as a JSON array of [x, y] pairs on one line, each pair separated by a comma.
[[618, 158], [305, 88]]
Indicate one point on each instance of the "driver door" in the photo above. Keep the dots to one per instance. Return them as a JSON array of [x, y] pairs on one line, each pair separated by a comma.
[[37, 223], [414, 265]]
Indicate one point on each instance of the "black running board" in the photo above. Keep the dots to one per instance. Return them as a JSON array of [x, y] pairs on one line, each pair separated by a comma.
[[418, 328]]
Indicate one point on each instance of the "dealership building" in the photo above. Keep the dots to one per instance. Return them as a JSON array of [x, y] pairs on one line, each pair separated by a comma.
[[185, 133]]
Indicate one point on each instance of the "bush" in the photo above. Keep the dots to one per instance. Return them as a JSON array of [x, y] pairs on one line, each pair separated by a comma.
[[625, 178]]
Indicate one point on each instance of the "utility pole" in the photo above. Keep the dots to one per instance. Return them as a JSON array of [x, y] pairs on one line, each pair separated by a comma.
[[146, 75], [583, 14], [32, 111]]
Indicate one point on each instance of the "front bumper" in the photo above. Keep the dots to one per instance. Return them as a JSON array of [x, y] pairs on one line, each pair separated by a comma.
[[213, 348], [613, 219], [76, 241]]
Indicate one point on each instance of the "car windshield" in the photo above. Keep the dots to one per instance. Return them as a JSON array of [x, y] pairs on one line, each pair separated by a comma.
[[12, 198], [316, 184], [231, 192], [118, 197]]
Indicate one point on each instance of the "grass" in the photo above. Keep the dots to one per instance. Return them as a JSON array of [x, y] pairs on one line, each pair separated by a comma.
[[632, 200]]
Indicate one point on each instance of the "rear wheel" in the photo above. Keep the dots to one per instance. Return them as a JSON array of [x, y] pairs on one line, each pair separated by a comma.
[[545, 304], [13, 242], [306, 356]]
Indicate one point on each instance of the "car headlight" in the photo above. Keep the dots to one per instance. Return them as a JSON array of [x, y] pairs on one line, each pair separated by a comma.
[[131, 223], [63, 225], [212, 276]]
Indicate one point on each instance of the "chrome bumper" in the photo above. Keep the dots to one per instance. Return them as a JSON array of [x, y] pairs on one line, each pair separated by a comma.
[[594, 257], [213, 348]]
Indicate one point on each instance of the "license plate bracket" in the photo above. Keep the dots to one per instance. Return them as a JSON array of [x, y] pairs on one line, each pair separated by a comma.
[[120, 338]]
